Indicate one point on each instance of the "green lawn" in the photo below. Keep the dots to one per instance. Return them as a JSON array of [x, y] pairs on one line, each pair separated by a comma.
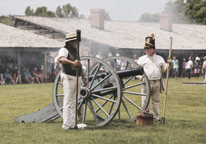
[[185, 119]]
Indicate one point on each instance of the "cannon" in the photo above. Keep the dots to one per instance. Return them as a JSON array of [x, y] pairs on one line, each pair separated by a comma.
[[108, 88]]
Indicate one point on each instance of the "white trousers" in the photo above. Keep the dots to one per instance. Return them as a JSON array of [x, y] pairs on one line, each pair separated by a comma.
[[154, 96], [69, 101]]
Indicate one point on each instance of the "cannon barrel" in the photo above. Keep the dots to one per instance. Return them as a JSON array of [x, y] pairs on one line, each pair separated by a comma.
[[121, 73]]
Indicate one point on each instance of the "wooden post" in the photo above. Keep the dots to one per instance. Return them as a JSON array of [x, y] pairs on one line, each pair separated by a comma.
[[18, 60], [45, 65]]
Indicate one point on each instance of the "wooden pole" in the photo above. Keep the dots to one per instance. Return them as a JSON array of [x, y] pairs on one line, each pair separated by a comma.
[[163, 118], [45, 65], [78, 33]]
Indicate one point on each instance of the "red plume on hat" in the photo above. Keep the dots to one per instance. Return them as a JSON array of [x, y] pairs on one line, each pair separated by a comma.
[[150, 42]]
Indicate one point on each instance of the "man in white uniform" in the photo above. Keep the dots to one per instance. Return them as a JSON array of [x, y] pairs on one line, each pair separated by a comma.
[[153, 66], [68, 60]]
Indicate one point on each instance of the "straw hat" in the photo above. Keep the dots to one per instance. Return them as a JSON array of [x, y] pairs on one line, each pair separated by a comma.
[[70, 37], [197, 58]]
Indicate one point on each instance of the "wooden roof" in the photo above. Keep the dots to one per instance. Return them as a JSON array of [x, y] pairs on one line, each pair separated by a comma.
[[13, 37], [121, 34]]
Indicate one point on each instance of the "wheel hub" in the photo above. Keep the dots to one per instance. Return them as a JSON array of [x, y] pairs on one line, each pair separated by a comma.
[[84, 92]]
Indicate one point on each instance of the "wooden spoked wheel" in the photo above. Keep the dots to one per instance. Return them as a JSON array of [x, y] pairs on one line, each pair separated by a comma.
[[131, 87], [102, 95]]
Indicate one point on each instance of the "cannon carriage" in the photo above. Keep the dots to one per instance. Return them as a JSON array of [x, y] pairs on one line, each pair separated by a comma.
[[108, 88]]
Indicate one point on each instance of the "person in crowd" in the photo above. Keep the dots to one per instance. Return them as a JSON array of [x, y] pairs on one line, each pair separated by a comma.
[[204, 69], [53, 75], [175, 63], [32, 63], [10, 65], [189, 66], [37, 75], [69, 62], [49, 64], [8, 78], [119, 62], [197, 66], [99, 55], [43, 73], [153, 66], [111, 62], [183, 68], [17, 76], [1, 77], [91, 61], [27, 78]]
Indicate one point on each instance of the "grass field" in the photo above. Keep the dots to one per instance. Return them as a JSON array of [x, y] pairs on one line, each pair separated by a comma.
[[185, 119]]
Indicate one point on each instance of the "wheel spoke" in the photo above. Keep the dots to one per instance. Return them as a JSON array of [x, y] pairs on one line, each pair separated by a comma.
[[104, 103], [101, 81], [80, 104], [128, 80], [88, 69], [92, 110], [126, 109], [59, 95], [115, 65], [85, 110], [100, 107], [110, 110], [127, 64], [133, 85], [105, 89], [134, 93], [103, 98], [97, 70], [131, 102]]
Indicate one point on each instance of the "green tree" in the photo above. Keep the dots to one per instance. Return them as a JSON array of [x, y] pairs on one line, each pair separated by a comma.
[[106, 16], [29, 11], [176, 10], [82, 16], [50, 14], [70, 11], [41, 11], [67, 10], [74, 12], [147, 17], [59, 12]]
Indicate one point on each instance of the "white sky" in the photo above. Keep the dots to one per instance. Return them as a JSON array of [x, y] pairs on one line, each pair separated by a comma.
[[124, 10]]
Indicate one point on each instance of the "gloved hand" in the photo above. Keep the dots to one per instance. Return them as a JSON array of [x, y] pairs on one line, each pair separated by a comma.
[[169, 61]]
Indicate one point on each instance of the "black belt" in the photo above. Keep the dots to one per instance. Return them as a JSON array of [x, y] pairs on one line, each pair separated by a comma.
[[154, 80]]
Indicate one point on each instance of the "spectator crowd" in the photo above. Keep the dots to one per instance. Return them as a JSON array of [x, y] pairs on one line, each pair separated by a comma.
[[29, 71], [32, 71]]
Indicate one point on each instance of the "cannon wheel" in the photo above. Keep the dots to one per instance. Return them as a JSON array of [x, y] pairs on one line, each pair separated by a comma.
[[129, 92], [103, 108]]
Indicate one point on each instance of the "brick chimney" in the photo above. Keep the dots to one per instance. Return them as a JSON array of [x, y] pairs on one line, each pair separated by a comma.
[[166, 22], [97, 18]]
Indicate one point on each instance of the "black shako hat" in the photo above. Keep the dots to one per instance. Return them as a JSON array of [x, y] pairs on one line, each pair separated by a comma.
[[150, 42]]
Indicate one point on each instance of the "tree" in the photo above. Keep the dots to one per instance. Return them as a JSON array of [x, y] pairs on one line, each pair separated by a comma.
[[82, 16], [67, 10], [29, 11], [106, 16], [147, 17], [41, 11], [50, 14], [59, 12], [70, 11], [74, 13]]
